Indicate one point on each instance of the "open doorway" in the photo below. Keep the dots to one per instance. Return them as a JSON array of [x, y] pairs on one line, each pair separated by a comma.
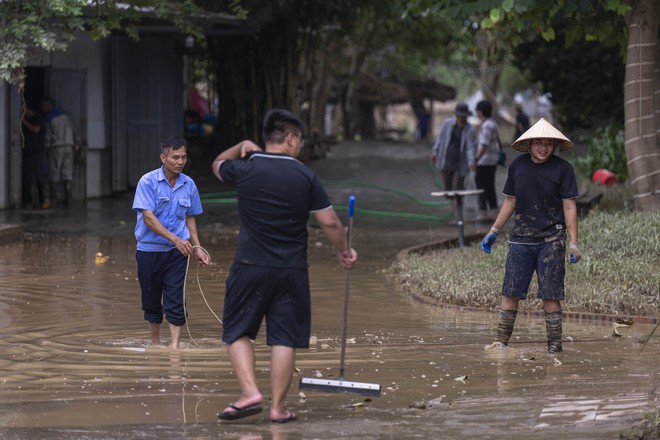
[[34, 175], [67, 88]]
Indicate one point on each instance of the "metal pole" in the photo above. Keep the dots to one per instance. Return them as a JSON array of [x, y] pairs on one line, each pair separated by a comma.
[[459, 208]]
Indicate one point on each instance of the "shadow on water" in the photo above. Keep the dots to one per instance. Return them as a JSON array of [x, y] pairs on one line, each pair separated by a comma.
[[76, 362]]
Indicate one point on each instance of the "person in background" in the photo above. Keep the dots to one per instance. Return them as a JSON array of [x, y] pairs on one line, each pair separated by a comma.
[[540, 190], [269, 276], [522, 120], [61, 144], [453, 153], [487, 156], [35, 164], [166, 202]]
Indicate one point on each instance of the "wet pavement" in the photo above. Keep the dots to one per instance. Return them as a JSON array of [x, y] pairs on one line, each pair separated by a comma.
[[75, 360]]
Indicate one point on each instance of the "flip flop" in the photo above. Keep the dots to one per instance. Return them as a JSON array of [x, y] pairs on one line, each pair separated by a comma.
[[289, 418], [239, 412]]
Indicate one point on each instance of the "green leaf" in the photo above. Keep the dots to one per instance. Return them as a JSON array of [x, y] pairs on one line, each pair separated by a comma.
[[618, 6], [548, 34], [507, 5], [495, 15], [487, 23]]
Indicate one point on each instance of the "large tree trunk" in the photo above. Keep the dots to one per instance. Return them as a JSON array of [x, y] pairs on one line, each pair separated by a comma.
[[642, 98]]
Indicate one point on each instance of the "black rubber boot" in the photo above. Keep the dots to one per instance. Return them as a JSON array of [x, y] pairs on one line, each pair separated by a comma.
[[505, 326], [34, 196], [67, 192], [553, 326], [44, 189], [54, 193]]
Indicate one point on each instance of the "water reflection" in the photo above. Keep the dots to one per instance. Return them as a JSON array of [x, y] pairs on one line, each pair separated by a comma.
[[76, 354], [76, 362]]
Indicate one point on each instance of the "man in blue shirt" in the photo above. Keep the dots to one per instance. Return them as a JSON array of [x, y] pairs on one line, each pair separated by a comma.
[[268, 278], [166, 201]]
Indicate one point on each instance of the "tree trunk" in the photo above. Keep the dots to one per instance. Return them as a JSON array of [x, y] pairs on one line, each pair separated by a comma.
[[367, 121], [641, 101]]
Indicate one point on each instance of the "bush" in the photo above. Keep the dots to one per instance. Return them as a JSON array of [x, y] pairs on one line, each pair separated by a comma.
[[647, 429], [617, 275], [606, 150], [615, 198]]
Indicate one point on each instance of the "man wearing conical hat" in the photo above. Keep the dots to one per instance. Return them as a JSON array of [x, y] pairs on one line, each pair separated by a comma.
[[540, 190]]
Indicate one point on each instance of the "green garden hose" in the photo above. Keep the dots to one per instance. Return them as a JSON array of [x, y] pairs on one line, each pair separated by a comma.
[[226, 198]]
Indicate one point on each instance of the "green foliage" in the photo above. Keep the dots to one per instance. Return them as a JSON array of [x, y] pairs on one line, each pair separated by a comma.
[[606, 150], [617, 274], [520, 20], [615, 198], [512, 80], [28, 25], [414, 43], [32, 25], [585, 79]]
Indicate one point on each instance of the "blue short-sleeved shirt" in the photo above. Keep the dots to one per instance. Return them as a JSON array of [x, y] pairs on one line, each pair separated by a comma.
[[276, 194], [170, 205]]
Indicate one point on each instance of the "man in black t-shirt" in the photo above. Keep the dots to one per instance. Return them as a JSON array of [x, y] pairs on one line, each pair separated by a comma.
[[541, 190], [268, 278], [34, 162]]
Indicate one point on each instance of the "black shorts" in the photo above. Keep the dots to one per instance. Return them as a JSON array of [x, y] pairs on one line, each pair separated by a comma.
[[281, 295]]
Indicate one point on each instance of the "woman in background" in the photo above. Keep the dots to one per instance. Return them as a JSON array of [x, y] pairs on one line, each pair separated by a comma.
[[488, 151]]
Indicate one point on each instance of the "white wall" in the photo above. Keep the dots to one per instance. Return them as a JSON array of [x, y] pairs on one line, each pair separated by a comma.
[[91, 57]]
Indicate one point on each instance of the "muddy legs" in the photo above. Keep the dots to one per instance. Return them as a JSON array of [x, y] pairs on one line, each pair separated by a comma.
[[505, 325], [553, 326]]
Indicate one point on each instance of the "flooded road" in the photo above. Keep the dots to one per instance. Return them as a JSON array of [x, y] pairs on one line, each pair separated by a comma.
[[76, 363]]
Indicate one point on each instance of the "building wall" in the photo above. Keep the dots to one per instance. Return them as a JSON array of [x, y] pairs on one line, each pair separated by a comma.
[[4, 145], [121, 140], [91, 56]]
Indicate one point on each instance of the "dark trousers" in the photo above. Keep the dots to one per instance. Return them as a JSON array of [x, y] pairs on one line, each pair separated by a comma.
[[161, 276], [485, 179], [35, 179]]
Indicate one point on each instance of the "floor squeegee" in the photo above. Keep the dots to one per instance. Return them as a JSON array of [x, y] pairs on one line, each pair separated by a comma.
[[341, 385]]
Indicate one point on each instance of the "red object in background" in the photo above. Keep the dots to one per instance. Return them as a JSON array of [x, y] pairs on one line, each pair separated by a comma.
[[198, 104], [604, 177]]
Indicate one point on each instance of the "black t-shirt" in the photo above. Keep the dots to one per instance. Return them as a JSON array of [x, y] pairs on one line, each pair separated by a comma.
[[34, 142], [539, 190], [453, 155], [522, 125], [276, 194]]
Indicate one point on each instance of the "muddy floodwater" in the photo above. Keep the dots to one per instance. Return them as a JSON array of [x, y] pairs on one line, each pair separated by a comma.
[[76, 362]]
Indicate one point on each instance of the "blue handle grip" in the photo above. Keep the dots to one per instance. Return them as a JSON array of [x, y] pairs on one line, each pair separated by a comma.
[[351, 205]]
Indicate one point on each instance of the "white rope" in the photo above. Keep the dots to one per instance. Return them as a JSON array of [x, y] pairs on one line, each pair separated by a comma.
[[642, 156], [185, 313], [644, 176], [648, 194]]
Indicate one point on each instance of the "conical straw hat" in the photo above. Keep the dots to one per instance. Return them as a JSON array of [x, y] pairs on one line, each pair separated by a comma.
[[542, 130]]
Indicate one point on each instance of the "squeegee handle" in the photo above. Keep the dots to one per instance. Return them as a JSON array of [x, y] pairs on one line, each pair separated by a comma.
[[344, 322]]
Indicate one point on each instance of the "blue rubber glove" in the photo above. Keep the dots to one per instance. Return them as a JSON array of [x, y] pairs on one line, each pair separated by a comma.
[[574, 253], [488, 241]]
